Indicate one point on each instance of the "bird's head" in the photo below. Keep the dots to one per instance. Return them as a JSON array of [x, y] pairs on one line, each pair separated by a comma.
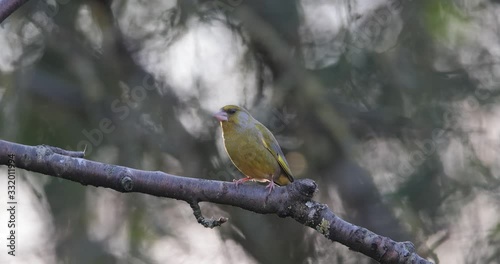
[[234, 115]]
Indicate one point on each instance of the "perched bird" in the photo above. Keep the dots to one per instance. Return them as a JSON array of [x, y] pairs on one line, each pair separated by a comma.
[[252, 148]]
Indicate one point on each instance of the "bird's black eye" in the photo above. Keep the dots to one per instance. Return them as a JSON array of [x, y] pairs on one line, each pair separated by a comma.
[[231, 111]]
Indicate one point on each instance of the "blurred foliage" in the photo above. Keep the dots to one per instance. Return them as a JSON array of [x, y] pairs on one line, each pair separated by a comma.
[[391, 106]]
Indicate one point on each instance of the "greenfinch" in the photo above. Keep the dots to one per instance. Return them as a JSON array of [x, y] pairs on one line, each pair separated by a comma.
[[252, 148]]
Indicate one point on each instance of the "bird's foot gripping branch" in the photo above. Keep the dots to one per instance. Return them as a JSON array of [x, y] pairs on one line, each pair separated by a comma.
[[293, 200]]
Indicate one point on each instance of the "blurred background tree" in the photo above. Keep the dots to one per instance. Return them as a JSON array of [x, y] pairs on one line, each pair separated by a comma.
[[391, 106]]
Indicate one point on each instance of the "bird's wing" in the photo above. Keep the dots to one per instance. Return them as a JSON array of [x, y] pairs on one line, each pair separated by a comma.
[[271, 144]]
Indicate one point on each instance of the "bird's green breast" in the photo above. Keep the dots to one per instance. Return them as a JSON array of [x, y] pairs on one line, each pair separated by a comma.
[[249, 155]]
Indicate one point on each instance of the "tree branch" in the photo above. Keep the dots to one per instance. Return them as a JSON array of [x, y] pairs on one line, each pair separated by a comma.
[[7, 7], [293, 200]]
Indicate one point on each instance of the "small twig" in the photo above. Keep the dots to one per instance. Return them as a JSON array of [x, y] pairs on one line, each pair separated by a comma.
[[69, 153], [211, 223]]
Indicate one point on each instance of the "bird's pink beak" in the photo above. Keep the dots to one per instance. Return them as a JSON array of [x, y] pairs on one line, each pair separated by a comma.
[[221, 116]]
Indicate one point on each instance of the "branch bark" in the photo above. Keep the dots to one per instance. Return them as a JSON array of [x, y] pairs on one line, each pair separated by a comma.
[[293, 200], [7, 7]]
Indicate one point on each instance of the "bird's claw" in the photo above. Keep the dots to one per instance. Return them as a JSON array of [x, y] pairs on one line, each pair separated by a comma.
[[270, 186], [240, 181]]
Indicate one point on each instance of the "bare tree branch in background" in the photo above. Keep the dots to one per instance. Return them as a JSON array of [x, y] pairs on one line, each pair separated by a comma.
[[7, 7], [293, 201]]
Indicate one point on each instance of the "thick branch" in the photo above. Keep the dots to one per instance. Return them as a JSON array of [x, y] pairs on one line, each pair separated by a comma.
[[293, 201], [7, 7]]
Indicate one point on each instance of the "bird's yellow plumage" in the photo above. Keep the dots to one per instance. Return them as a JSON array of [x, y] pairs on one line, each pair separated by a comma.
[[252, 147]]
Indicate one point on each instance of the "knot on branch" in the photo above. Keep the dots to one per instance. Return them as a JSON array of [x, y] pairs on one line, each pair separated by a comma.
[[211, 223], [304, 189], [60, 151], [127, 183], [299, 192]]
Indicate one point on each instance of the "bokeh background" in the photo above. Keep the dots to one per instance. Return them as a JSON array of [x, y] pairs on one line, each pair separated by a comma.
[[390, 106]]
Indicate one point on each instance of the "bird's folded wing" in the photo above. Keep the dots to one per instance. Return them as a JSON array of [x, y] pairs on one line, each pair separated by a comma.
[[271, 144]]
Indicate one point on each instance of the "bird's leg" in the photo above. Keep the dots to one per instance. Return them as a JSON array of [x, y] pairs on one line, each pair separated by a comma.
[[270, 186], [240, 181]]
